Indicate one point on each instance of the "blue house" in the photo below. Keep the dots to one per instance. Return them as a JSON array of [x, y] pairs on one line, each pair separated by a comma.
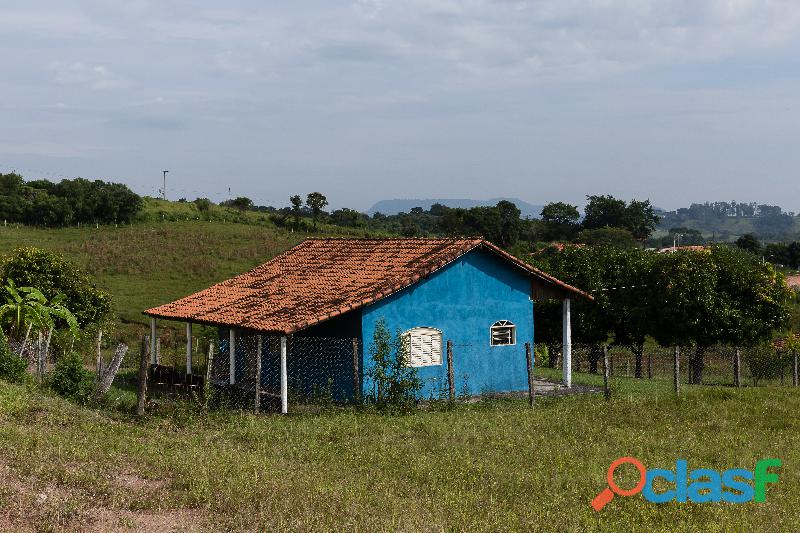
[[311, 314]]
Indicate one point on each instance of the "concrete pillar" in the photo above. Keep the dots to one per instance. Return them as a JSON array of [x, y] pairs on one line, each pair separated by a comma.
[[567, 344], [153, 341], [284, 378], [232, 356], [188, 348]]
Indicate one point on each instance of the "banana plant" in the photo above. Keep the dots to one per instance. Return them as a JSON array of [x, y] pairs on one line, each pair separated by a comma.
[[28, 306]]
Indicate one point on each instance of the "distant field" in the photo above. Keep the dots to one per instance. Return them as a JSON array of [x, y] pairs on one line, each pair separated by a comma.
[[727, 230], [491, 466]]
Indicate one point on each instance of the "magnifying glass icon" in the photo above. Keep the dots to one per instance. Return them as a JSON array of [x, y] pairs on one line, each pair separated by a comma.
[[607, 494]]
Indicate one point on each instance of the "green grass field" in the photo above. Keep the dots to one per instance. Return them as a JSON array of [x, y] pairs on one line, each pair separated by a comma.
[[495, 465]]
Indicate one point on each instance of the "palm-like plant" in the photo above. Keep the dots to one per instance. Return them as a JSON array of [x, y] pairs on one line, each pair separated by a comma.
[[27, 306]]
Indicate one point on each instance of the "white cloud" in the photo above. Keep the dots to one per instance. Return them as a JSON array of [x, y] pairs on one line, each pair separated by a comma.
[[96, 77]]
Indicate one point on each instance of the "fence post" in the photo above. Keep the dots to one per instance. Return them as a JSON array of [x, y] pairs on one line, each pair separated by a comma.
[[141, 392], [188, 353], [356, 375], [794, 369], [606, 389], [649, 364], [153, 337], [676, 365], [451, 380], [258, 375], [737, 368], [529, 359], [99, 360]]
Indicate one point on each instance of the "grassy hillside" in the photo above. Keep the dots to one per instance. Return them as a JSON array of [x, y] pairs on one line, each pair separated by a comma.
[[727, 229], [488, 466]]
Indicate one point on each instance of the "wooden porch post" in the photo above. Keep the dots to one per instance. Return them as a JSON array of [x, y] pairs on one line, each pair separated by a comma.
[[153, 337], [567, 345], [188, 348], [232, 356], [284, 378]]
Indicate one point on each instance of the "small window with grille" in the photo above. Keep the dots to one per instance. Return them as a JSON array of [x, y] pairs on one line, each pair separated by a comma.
[[424, 346], [503, 333]]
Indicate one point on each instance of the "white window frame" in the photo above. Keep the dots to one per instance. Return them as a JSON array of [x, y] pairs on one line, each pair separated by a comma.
[[420, 354], [503, 324]]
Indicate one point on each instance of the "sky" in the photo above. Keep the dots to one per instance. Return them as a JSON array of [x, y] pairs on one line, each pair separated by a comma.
[[676, 101]]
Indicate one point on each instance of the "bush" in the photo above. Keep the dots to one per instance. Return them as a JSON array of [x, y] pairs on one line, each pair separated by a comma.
[[70, 379], [396, 384], [542, 355], [52, 274], [764, 362], [12, 367]]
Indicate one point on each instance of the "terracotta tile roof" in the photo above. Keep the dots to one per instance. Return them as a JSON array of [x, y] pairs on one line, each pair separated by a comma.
[[322, 278], [793, 281], [690, 248]]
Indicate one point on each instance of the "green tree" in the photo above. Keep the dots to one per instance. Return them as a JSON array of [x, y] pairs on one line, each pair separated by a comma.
[[604, 211], [317, 202], [203, 204], [722, 295], [560, 221], [749, 243], [297, 206], [617, 237]]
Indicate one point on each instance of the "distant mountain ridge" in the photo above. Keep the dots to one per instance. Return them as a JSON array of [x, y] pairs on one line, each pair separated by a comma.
[[392, 207]]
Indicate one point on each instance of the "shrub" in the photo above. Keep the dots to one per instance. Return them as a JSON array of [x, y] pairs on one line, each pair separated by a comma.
[[52, 274], [70, 379], [12, 367], [396, 384], [764, 362], [542, 355]]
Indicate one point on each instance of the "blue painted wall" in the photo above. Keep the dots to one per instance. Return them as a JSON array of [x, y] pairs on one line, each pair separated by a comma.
[[463, 300]]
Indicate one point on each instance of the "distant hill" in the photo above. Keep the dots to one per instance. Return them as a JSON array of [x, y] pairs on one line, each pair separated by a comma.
[[392, 207]]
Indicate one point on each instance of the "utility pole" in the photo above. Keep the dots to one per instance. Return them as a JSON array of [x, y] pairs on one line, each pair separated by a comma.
[[164, 190]]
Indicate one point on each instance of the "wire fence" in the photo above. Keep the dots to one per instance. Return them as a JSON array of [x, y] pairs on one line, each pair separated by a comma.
[[245, 371], [714, 365]]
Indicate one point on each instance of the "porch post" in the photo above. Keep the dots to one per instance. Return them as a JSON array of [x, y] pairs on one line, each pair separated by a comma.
[[567, 345], [153, 348], [189, 348], [232, 356], [284, 379]]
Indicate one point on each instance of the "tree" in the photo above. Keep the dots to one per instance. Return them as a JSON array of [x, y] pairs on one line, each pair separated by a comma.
[[316, 202], [51, 274], [637, 216], [617, 237], [297, 206], [749, 243], [560, 221], [348, 218], [721, 295], [203, 204], [604, 211], [241, 203], [509, 224], [640, 219]]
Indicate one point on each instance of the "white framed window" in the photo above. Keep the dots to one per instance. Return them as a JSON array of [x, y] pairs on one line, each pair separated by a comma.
[[503, 333], [424, 346]]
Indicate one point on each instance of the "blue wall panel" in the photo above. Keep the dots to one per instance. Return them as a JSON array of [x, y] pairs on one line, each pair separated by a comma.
[[463, 300]]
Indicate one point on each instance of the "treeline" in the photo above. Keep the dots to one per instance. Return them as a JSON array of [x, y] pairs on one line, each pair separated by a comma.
[[779, 253], [606, 220], [720, 219], [719, 295], [44, 203]]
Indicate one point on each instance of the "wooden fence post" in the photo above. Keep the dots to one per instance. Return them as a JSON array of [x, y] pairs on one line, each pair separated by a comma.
[[649, 364], [737, 368], [794, 370], [606, 389], [451, 381], [676, 365], [141, 392], [529, 360], [356, 373], [258, 375]]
